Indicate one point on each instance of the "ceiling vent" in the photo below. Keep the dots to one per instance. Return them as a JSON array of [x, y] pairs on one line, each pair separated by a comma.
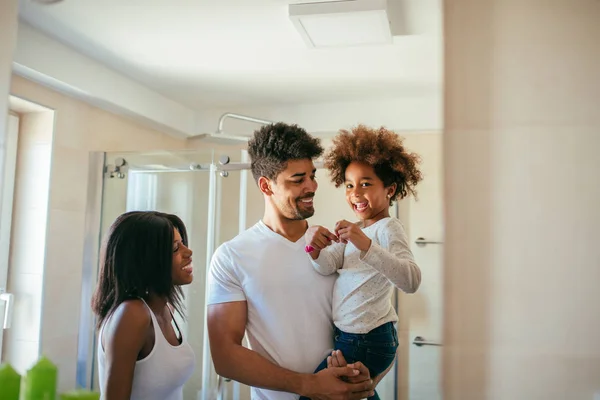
[[342, 23]]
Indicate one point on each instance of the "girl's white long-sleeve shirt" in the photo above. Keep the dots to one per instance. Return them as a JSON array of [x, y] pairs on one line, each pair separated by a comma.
[[363, 290]]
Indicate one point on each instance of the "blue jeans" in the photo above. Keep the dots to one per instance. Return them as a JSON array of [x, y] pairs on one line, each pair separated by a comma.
[[376, 349]]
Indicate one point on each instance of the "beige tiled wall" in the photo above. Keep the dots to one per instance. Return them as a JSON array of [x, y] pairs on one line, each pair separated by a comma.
[[522, 261], [79, 129]]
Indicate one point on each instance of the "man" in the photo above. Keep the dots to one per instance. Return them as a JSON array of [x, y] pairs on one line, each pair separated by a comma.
[[262, 283]]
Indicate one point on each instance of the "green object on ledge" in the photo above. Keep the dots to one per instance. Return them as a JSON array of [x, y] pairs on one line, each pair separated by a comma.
[[80, 394], [39, 383], [10, 382]]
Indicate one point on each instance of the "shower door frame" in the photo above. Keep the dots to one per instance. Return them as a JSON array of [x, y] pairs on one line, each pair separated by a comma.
[[91, 251]]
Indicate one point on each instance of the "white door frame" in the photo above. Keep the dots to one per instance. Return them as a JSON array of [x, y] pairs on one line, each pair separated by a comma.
[[10, 168]]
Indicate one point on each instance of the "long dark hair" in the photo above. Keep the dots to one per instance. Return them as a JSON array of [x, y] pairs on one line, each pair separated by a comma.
[[136, 260]]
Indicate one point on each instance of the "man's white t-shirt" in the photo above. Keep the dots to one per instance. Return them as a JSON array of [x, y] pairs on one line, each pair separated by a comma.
[[289, 303]]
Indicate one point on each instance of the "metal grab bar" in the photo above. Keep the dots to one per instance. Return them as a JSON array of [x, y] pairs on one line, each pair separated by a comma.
[[420, 341], [422, 241]]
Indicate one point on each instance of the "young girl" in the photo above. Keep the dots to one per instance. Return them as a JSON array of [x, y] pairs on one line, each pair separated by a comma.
[[371, 257]]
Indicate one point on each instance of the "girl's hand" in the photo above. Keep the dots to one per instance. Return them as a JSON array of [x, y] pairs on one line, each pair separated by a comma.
[[349, 232], [336, 359], [318, 237]]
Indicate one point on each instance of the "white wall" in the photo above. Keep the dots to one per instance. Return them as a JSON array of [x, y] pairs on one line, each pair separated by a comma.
[[522, 303]]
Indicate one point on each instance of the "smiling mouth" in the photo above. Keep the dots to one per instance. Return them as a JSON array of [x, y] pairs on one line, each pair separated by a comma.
[[188, 267], [360, 207], [307, 201]]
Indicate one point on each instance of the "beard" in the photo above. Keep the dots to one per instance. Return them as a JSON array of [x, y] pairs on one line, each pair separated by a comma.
[[304, 214], [298, 211]]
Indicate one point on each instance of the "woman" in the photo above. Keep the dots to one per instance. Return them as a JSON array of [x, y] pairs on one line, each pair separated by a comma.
[[142, 353]]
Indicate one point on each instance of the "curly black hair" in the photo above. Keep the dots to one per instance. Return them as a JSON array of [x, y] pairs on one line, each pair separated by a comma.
[[380, 148], [272, 146]]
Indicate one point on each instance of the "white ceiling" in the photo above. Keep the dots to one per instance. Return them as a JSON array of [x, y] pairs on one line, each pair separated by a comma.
[[205, 53]]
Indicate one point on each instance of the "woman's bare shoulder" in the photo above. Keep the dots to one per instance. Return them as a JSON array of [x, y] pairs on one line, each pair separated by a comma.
[[129, 316]]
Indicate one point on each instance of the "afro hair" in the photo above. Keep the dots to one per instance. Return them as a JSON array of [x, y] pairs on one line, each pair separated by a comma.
[[382, 149]]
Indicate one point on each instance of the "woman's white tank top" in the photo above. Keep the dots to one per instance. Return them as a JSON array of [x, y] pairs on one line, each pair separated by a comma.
[[162, 373]]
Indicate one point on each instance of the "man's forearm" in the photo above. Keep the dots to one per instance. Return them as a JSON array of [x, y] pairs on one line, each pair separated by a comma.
[[250, 368]]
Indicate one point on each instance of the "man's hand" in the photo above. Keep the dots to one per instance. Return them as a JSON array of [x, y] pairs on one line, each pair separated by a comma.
[[336, 359], [363, 375], [328, 385]]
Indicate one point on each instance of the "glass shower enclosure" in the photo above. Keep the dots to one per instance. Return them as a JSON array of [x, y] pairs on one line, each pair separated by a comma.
[[213, 192]]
